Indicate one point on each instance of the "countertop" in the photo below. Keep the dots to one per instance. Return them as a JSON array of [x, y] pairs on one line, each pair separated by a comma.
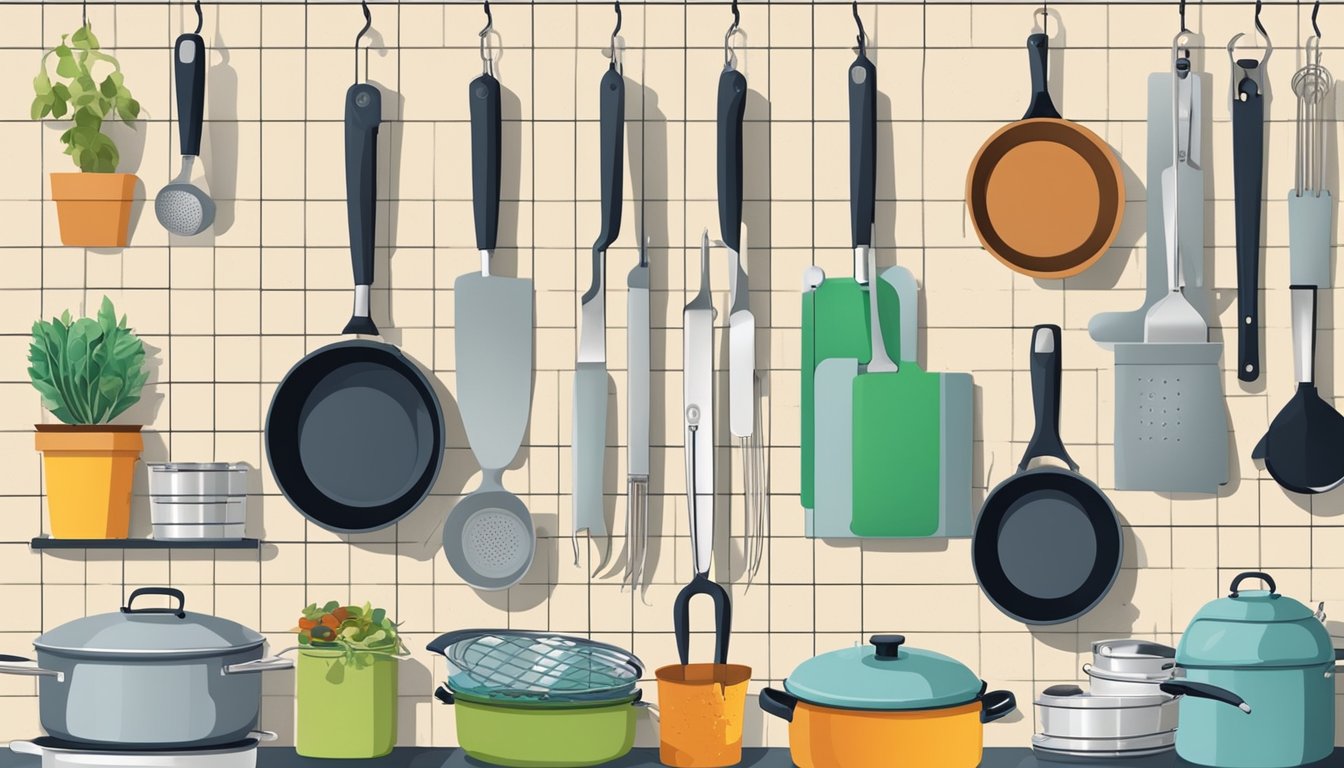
[[444, 757]]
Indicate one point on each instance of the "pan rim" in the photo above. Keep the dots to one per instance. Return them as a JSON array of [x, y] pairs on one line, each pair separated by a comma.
[[396, 360], [984, 548], [1103, 151]]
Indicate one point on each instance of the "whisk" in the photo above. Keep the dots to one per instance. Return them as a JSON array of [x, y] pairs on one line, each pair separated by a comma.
[[1312, 85], [755, 482]]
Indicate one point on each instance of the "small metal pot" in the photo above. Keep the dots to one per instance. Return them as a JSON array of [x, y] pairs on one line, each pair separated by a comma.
[[172, 678], [1130, 657], [1067, 712]]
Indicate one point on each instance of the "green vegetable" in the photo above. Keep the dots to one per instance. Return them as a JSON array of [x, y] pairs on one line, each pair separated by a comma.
[[86, 100], [358, 632], [87, 371]]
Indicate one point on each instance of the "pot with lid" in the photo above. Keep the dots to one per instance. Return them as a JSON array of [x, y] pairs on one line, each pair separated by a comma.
[[539, 699], [173, 678], [1276, 653], [885, 704]]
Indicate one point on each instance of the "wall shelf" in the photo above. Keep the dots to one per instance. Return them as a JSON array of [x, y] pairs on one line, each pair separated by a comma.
[[43, 542]]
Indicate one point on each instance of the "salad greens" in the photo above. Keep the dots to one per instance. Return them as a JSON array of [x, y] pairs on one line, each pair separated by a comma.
[[359, 632]]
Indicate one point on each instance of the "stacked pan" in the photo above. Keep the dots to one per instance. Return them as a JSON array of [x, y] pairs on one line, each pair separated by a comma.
[[1124, 714]]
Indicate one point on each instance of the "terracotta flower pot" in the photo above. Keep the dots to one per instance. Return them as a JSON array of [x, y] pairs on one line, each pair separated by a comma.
[[94, 209], [89, 471]]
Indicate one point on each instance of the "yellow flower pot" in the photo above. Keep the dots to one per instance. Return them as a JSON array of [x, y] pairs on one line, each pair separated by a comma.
[[89, 471], [94, 209]]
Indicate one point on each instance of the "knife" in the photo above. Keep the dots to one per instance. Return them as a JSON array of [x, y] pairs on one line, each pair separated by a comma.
[[741, 323], [698, 399], [590, 375]]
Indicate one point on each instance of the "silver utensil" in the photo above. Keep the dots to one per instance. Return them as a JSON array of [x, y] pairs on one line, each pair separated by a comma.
[[637, 450]]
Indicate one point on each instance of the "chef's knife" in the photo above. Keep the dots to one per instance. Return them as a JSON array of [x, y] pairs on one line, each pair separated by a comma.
[[590, 375], [741, 323]]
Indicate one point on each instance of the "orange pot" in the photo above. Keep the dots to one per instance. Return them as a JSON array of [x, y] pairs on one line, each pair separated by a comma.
[[701, 708], [89, 471], [94, 209]]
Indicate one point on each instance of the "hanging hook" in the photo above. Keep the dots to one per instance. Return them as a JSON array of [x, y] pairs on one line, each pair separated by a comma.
[[84, 12], [368, 24], [1315, 9], [615, 38], [862, 37], [1184, 28], [729, 52], [200, 18], [1259, 25], [487, 58]]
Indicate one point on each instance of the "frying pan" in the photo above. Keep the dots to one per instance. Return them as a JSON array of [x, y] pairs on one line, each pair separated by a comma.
[[1047, 546], [1046, 195], [354, 434]]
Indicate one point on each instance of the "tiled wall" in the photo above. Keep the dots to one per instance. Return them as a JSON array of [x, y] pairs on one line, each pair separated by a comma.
[[228, 313]]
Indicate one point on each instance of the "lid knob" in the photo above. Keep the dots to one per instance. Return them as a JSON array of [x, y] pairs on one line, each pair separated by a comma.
[[888, 646]]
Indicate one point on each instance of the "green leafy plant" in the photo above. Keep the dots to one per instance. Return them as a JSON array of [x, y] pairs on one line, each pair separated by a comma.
[[88, 371], [359, 632], [85, 99]]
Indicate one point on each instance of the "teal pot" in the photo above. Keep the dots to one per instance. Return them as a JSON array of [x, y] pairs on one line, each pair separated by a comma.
[[1272, 651]]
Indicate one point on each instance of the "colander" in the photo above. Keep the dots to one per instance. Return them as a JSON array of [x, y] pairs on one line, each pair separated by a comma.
[[523, 666]]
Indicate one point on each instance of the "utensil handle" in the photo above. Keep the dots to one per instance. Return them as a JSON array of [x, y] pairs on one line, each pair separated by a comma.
[[1046, 372], [486, 138], [862, 80], [189, 74], [444, 695], [363, 115], [265, 664], [1038, 54], [778, 703], [18, 665], [1248, 147], [180, 611], [611, 102], [1304, 332], [732, 106], [1204, 691], [723, 617], [996, 704]]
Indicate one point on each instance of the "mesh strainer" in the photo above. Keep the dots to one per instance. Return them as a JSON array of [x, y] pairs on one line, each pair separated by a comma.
[[536, 666], [488, 537]]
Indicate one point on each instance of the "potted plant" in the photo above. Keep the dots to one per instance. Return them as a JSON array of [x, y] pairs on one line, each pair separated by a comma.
[[94, 205], [347, 681], [88, 372]]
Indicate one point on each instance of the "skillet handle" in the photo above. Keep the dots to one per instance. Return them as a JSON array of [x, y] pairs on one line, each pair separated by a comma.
[[1038, 53], [363, 115], [862, 78], [723, 617], [1046, 371]]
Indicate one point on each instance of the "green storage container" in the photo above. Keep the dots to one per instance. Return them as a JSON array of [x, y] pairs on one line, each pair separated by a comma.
[[347, 709]]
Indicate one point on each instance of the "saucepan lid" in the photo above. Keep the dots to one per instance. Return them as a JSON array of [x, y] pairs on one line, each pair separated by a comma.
[[884, 675]]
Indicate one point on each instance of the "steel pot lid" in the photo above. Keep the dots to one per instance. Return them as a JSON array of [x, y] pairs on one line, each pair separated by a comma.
[[536, 666], [884, 675], [1129, 649], [1073, 697], [1255, 628], [150, 632]]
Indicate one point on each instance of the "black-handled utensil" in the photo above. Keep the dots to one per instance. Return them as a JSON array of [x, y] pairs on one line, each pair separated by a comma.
[[732, 106], [1248, 151], [363, 115], [611, 108], [862, 80], [702, 584], [486, 140], [189, 72]]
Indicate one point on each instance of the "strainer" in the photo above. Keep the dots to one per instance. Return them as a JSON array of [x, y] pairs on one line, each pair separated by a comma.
[[528, 666], [182, 207], [488, 537]]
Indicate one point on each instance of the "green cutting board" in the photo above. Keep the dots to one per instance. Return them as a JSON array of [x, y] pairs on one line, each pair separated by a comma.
[[835, 324], [897, 452]]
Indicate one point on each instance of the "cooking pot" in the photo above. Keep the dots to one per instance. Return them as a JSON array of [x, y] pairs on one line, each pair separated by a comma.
[[1067, 711], [149, 677], [885, 705], [1129, 667], [1274, 652], [539, 699]]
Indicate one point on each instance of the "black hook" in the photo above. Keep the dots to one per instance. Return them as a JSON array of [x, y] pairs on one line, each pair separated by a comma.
[[863, 47], [200, 19], [368, 24], [489, 19], [1184, 28], [1314, 26], [737, 18], [617, 29], [1259, 4], [84, 12]]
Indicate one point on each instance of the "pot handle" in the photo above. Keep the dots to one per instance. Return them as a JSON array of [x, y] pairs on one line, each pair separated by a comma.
[[1205, 691], [263, 736], [264, 664], [180, 611], [1261, 575], [443, 695], [996, 704], [18, 665], [25, 748], [778, 703]]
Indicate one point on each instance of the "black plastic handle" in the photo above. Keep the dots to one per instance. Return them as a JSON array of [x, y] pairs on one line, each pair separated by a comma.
[[1204, 691], [1046, 371], [862, 80], [1067, 689], [611, 103], [444, 695], [1244, 575], [886, 647], [996, 704], [486, 138], [189, 72], [723, 617], [732, 106], [778, 703], [1038, 53], [180, 611], [363, 115], [1248, 152]]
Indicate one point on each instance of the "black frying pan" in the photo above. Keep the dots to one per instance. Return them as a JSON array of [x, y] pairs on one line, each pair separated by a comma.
[[1047, 545], [354, 435]]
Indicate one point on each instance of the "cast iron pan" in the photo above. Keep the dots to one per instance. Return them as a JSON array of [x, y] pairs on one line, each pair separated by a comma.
[[1046, 195], [1047, 545], [354, 435]]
